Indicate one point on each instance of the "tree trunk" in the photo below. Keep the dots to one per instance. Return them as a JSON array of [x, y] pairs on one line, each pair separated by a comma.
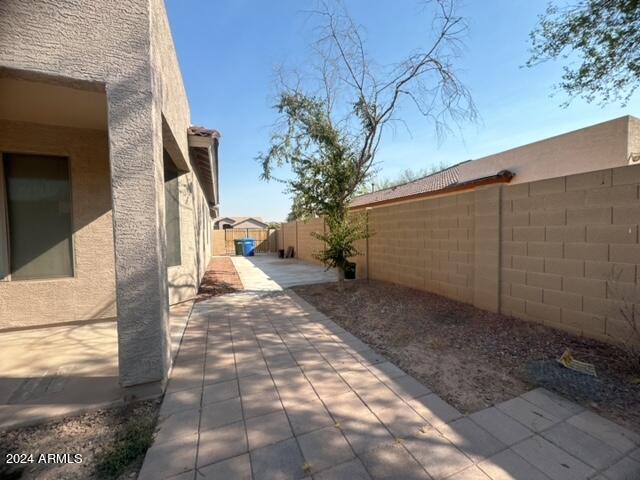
[[340, 278]]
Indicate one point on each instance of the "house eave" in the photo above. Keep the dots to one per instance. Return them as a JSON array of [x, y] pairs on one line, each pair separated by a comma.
[[203, 150]]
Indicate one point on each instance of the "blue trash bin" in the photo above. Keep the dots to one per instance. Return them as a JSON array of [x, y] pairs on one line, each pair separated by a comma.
[[248, 247]]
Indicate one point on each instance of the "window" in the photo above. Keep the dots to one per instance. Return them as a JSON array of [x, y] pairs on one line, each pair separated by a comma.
[[37, 209], [172, 211]]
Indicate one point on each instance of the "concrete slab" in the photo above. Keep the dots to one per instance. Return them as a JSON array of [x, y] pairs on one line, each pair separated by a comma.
[[391, 462], [625, 469], [554, 404], [236, 468], [324, 448], [221, 443], [268, 429], [528, 414], [437, 455], [307, 416], [434, 410], [605, 430], [581, 445], [268, 273], [402, 423], [501, 425], [552, 460], [508, 465], [215, 415], [278, 461], [475, 442], [352, 470], [471, 473]]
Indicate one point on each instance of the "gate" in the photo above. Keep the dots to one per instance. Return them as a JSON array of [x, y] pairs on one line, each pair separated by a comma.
[[266, 239]]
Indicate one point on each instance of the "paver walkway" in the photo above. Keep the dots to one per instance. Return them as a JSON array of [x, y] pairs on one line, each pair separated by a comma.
[[266, 387]]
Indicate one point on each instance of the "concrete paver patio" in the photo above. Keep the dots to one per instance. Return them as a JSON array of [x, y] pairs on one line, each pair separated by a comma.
[[267, 387]]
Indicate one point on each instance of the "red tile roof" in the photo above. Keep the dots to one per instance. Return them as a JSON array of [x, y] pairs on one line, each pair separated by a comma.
[[203, 132], [431, 183]]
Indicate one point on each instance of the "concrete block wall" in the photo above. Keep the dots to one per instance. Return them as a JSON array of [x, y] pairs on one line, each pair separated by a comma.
[[426, 245], [570, 251], [298, 234], [290, 236], [280, 237], [307, 244], [564, 251]]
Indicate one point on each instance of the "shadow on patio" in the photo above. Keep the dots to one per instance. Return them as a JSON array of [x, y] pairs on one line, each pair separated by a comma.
[[61, 370]]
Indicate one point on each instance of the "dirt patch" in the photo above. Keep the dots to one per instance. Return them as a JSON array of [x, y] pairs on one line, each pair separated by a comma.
[[220, 278], [472, 358], [112, 443]]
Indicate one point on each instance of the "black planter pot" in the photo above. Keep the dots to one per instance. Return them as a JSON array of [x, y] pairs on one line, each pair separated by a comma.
[[350, 271]]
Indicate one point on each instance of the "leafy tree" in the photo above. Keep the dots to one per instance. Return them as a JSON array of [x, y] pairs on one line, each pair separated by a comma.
[[604, 35], [331, 126], [340, 240], [291, 216]]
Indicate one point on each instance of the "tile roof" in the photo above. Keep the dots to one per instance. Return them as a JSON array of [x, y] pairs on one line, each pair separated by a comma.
[[431, 183], [237, 220], [203, 132]]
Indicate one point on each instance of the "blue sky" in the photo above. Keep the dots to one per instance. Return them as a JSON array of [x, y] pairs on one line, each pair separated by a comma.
[[228, 51]]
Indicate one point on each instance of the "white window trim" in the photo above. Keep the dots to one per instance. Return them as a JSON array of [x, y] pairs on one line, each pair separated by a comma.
[[4, 232]]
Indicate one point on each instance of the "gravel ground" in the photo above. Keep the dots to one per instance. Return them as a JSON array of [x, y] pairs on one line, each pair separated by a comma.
[[472, 358], [90, 435], [221, 277]]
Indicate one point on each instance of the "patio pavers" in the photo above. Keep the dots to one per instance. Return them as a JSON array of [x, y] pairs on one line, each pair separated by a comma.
[[285, 393]]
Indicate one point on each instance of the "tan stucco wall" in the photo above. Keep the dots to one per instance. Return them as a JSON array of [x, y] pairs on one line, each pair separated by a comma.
[[90, 294], [605, 145], [168, 84], [124, 49], [183, 280]]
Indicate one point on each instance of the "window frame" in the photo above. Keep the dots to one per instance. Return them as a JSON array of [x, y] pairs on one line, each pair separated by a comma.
[[171, 168], [5, 265], [5, 270]]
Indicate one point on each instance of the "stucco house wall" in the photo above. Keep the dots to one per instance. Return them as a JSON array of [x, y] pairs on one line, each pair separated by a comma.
[[90, 293], [604, 145], [123, 50]]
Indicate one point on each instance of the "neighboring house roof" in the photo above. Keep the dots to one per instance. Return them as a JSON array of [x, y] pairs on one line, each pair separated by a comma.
[[430, 183], [237, 220], [448, 180]]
